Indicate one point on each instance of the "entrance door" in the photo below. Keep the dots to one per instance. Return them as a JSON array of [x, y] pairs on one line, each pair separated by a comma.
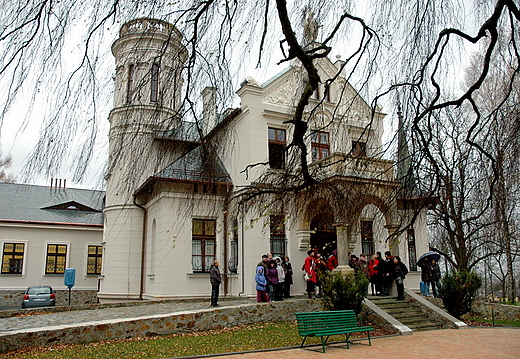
[[324, 236]]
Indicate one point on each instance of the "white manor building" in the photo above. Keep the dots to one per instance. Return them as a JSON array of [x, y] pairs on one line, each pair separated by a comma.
[[168, 214], [168, 210]]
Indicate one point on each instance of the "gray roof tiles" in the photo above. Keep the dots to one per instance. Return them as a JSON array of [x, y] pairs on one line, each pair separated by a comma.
[[197, 165], [31, 203]]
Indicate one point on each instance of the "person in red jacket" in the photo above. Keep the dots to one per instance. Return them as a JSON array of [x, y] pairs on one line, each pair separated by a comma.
[[332, 262], [373, 273], [310, 273]]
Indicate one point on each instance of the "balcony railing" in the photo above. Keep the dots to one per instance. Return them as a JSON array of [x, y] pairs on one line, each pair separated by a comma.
[[343, 165]]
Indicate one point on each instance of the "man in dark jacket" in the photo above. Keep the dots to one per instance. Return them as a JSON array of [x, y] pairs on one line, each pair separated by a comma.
[[387, 266], [215, 279]]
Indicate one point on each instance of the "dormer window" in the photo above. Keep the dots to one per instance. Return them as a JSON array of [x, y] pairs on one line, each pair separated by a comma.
[[320, 145]]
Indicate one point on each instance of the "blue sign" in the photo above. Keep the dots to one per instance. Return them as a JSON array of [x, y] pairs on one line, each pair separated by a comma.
[[70, 277]]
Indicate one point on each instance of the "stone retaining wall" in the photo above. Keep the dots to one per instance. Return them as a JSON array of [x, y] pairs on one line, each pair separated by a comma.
[[13, 298], [162, 324], [500, 311]]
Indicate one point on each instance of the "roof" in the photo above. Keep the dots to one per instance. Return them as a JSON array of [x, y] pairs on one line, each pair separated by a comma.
[[201, 165], [279, 74], [43, 204], [185, 131]]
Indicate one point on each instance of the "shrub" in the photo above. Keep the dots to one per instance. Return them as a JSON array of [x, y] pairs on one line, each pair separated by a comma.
[[344, 291], [458, 291]]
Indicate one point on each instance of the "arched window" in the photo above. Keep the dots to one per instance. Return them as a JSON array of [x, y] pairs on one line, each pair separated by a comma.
[[130, 83], [154, 83]]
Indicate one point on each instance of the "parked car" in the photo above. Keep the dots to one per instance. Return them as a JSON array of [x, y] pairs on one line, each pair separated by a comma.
[[39, 296]]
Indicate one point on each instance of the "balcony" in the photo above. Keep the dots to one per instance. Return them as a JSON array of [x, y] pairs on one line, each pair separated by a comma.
[[353, 167]]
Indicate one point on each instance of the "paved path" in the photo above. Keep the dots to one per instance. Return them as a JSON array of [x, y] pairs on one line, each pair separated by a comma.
[[474, 343], [85, 316]]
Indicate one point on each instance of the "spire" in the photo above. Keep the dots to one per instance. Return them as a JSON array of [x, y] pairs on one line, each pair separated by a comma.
[[310, 27]]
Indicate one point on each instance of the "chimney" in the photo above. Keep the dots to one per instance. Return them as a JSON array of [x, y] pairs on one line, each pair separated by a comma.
[[209, 109], [55, 183]]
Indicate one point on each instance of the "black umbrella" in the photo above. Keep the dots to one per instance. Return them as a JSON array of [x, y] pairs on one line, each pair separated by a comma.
[[429, 256]]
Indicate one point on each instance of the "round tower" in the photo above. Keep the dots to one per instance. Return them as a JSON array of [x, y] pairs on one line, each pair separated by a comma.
[[148, 87]]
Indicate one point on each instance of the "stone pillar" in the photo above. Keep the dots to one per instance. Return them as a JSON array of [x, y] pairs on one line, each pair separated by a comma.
[[345, 244], [392, 242]]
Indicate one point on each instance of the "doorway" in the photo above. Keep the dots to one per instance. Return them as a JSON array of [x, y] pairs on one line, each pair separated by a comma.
[[323, 238]]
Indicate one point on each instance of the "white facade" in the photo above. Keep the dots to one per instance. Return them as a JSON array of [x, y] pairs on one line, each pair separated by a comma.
[[36, 238], [165, 210]]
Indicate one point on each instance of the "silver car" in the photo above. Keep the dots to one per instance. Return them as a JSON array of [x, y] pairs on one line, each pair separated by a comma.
[[39, 296]]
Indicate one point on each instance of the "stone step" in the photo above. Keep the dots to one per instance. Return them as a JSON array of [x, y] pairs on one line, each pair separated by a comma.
[[415, 320], [424, 326], [412, 317]]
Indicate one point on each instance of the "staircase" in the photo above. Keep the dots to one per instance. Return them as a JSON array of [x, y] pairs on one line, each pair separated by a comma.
[[408, 315]]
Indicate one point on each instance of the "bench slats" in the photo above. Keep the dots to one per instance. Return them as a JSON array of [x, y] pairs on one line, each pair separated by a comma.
[[325, 324]]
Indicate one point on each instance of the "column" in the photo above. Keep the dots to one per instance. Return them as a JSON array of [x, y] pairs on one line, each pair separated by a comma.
[[393, 244], [345, 244]]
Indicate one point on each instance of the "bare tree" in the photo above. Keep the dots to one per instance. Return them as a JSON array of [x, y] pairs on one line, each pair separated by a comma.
[[5, 162], [413, 49]]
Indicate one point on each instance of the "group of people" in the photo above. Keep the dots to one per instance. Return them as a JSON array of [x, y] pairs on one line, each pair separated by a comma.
[[273, 278], [430, 276], [383, 271], [274, 275], [314, 267]]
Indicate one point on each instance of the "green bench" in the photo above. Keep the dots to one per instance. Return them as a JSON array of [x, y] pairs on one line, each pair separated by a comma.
[[325, 324]]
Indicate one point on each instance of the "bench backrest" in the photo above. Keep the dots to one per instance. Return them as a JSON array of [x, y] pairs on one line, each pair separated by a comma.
[[312, 322]]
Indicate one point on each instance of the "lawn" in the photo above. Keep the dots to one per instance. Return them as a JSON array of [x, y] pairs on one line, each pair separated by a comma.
[[239, 338], [502, 322]]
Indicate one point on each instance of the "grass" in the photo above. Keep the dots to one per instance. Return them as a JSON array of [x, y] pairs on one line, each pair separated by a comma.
[[239, 338], [501, 322]]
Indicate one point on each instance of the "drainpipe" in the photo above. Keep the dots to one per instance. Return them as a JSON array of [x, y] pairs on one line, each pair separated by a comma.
[[226, 277], [143, 249], [242, 255]]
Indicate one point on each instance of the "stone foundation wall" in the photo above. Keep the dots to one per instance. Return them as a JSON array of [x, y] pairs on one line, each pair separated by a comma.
[[13, 298], [163, 324]]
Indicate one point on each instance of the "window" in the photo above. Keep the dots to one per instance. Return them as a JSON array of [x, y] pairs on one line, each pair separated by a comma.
[[203, 244], [328, 90], [367, 238], [320, 146], [233, 259], [359, 148], [276, 148], [56, 259], [94, 259], [12, 258], [277, 235], [412, 254], [154, 83], [130, 84]]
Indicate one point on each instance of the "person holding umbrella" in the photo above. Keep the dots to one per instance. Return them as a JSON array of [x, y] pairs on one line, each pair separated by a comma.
[[436, 278], [426, 271]]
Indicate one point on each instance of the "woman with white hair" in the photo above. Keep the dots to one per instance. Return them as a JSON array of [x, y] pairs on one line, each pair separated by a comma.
[[281, 279]]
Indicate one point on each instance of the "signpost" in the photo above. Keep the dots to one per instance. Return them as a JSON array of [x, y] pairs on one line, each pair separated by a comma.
[[69, 279]]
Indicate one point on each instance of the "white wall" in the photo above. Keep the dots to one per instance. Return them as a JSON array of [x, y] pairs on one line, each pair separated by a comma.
[[36, 238]]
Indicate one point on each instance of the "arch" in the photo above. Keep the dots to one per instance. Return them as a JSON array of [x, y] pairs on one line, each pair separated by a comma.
[[319, 219]]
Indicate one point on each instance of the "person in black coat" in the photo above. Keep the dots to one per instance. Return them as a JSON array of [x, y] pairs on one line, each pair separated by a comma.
[[288, 276], [399, 274], [386, 270], [215, 279]]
